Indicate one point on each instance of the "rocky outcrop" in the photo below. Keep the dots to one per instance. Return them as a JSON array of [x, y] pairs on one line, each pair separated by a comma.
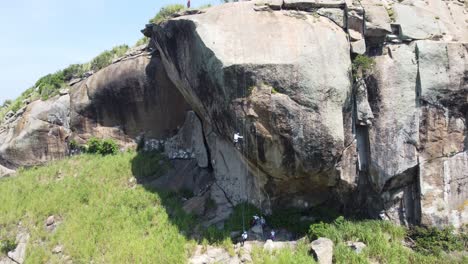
[[36, 134], [390, 142], [131, 97], [293, 127], [312, 133]]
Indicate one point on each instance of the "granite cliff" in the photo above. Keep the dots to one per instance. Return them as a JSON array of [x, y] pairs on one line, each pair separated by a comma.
[[389, 141]]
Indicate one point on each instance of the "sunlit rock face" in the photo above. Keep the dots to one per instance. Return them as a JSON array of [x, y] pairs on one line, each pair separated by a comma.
[[313, 134]]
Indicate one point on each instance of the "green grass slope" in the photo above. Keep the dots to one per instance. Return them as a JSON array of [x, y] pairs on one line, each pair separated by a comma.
[[104, 217]]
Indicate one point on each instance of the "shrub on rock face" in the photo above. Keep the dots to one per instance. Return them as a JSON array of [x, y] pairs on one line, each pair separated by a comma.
[[362, 63], [435, 241], [103, 147]]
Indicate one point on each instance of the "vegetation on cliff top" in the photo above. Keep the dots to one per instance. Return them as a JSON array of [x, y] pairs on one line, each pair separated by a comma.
[[50, 84]]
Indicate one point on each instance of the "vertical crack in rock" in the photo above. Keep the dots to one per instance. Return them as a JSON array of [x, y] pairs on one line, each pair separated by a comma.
[[205, 143]]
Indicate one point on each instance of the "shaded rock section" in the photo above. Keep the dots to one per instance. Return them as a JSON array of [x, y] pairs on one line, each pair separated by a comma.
[[286, 99], [129, 98]]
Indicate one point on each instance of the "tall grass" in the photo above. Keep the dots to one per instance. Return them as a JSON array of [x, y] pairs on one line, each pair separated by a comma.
[[103, 217], [383, 239]]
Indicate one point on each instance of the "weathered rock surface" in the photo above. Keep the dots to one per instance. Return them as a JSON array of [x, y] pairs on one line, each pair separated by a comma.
[[18, 255], [127, 99], [418, 95], [392, 144], [435, 19], [189, 139], [291, 135], [37, 134], [131, 97], [357, 247], [5, 171], [322, 250]]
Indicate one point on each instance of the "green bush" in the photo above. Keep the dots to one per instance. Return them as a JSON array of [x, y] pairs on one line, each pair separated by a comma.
[[7, 246], [362, 63], [103, 147], [142, 41], [383, 240], [435, 241], [109, 147], [105, 58], [166, 13]]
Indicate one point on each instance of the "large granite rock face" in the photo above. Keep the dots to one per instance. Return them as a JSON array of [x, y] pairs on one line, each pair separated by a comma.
[[391, 142], [418, 94], [443, 171], [131, 97], [126, 99], [243, 74], [434, 19], [307, 139]]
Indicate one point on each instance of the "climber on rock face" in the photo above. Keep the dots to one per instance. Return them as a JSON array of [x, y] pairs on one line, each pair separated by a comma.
[[188, 3], [237, 137]]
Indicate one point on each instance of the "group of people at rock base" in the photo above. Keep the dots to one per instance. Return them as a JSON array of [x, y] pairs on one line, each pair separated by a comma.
[[257, 220]]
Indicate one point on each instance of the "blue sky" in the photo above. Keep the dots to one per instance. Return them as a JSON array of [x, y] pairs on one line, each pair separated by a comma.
[[42, 36]]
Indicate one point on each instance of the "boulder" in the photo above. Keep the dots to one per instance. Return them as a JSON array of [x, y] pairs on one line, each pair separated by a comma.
[[356, 246], [377, 20], [257, 229], [271, 246], [57, 249], [212, 255], [37, 135], [18, 255], [322, 250], [273, 94], [358, 47], [6, 260], [5, 171], [50, 220]]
